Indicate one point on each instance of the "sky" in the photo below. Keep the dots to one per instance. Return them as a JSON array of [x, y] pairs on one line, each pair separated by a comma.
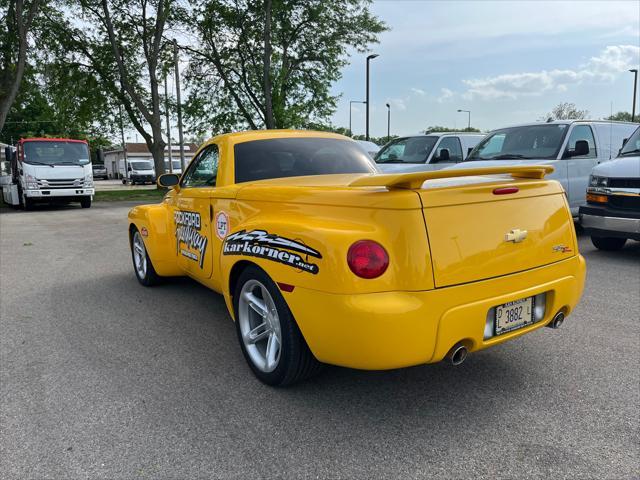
[[507, 62]]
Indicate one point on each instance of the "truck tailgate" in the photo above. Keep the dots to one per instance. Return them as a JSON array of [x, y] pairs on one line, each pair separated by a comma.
[[475, 233]]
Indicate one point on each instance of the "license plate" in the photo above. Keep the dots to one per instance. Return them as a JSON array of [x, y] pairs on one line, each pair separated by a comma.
[[513, 315]]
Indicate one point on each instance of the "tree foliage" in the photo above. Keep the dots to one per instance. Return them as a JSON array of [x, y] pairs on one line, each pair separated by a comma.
[[271, 63], [620, 117], [16, 21], [438, 128], [566, 111]]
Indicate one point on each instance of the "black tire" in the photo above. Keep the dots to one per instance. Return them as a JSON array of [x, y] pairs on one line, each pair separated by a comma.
[[124, 181], [25, 202], [85, 202], [296, 361], [608, 243], [150, 277]]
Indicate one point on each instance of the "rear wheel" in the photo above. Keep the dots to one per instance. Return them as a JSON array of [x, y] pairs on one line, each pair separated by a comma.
[[608, 243], [269, 337], [85, 202], [145, 273]]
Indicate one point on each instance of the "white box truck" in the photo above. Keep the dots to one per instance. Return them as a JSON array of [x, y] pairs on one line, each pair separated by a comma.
[[48, 170]]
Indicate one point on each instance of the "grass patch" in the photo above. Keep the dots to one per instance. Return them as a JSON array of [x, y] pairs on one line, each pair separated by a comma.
[[154, 195]]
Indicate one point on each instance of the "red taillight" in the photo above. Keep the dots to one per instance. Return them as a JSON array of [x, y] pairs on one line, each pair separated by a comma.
[[367, 259], [505, 190]]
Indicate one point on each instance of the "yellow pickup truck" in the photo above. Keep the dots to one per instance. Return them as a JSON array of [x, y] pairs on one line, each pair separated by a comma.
[[322, 259]]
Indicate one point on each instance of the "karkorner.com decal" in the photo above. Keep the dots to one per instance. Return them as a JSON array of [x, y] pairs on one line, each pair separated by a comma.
[[188, 234], [260, 243]]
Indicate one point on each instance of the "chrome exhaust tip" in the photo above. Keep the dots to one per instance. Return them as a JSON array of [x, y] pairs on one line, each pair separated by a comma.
[[557, 321], [457, 354]]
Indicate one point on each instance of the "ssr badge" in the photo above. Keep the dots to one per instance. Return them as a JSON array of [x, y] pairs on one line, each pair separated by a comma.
[[262, 244], [190, 243]]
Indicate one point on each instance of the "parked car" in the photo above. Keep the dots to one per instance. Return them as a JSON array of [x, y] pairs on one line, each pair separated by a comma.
[[612, 213], [371, 148], [99, 171], [425, 152], [572, 147], [175, 164], [322, 259]]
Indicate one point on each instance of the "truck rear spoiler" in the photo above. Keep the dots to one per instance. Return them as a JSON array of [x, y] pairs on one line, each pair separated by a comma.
[[414, 180]]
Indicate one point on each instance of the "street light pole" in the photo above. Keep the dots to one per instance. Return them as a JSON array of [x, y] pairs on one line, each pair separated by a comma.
[[635, 88], [468, 112], [388, 122], [369, 58], [351, 102]]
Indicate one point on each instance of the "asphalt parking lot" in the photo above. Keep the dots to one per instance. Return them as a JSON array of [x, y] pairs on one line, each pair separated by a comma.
[[103, 378]]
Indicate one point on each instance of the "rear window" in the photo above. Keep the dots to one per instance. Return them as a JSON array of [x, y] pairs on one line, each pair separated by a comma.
[[297, 157]]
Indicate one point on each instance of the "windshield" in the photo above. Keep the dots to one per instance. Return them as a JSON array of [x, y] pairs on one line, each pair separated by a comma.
[[98, 166], [141, 165], [175, 164], [407, 150], [632, 147], [527, 142], [55, 153], [296, 157]]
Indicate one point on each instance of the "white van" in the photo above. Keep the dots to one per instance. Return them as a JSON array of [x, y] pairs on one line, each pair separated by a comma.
[[139, 170], [573, 147], [430, 151]]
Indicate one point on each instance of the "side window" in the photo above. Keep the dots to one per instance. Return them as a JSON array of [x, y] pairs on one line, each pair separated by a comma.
[[203, 170], [452, 145], [581, 132]]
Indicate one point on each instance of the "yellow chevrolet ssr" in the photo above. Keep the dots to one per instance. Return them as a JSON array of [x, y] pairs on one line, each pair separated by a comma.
[[322, 259]]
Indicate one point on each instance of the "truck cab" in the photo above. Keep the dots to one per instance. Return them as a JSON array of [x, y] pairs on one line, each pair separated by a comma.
[[49, 170]]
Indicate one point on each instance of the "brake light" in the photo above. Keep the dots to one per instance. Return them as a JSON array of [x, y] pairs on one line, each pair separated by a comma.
[[505, 190], [367, 259]]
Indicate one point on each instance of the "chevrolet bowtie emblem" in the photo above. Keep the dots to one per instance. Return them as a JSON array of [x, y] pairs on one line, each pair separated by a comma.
[[516, 235]]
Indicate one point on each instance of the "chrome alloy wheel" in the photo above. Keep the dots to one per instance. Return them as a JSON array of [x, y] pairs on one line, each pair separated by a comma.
[[259, 326], [139, 255]]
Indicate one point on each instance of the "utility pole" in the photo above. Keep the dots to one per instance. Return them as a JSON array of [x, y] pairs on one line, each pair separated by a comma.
[[469, 118], [369, 58], [124, 145], [635, 88], [388, 122], [179, 105], [166, 109]]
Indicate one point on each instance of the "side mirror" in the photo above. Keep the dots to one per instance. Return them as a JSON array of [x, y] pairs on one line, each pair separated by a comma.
[[168, 180], [8, 153], [624, 141], [129, 168], [582, 148], [444, 155]]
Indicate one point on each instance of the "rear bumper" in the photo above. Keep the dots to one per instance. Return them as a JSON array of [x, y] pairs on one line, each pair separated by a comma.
[[604, 222], [399, 329], [59, 192]]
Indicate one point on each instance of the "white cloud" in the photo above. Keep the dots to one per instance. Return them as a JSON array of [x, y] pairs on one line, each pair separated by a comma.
[[445, 94], [419, 91], [607, 66], [397, 104]]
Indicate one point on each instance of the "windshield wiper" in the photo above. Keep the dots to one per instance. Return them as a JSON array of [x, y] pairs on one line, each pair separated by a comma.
[[395, 160], [33, 162], [636, 151], [509, 156]]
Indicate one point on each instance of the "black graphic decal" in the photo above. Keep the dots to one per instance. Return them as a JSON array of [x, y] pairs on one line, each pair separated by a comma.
[[188, 233], [259, 243]]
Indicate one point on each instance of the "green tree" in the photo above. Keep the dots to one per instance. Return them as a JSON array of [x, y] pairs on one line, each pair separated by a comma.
[[122, 43], [566, 111], [620, 117], [438, 128], [271, 63], [18, 17]]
